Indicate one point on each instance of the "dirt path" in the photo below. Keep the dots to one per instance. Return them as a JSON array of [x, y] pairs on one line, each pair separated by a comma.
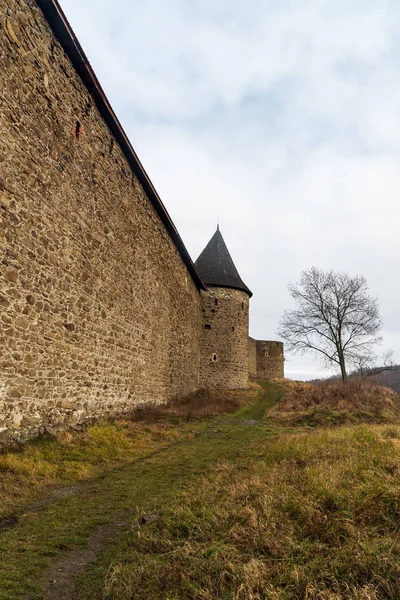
[[61, 583], [44, 552], [12, 520]]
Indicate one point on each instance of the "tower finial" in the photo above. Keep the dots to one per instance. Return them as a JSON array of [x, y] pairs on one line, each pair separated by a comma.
[[217, 223]]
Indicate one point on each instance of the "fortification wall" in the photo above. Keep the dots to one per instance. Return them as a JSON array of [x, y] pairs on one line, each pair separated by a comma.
[[252, 345], [224, 338], [270, 359], [97, 309]]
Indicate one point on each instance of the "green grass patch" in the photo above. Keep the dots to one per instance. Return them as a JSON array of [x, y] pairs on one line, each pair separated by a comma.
[[53, 461], [49, 462], [120, 466], [247, 509], [310, 515]]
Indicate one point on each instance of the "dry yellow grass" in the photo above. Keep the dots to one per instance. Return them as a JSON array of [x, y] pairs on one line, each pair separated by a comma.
[[309, 516], [337, 403], [246, 510], [201, 404], [72, 456], [77, 455]]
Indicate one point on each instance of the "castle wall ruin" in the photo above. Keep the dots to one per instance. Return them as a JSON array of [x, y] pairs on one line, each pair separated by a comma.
[[100, 305], [252, 351], [270, 359], [97, 309]]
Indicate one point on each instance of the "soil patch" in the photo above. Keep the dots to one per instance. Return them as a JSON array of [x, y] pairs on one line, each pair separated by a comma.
[[62, 576]]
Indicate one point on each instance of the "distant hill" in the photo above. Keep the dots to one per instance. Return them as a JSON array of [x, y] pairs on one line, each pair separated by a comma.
[[390, 378]]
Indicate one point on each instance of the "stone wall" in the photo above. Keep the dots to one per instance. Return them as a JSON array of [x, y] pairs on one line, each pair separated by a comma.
[[270, 359], [224, 338], [252, 357], [97, 309]]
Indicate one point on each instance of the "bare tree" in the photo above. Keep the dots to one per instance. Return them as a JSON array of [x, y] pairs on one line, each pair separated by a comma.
[[366, 368], [334, 316]]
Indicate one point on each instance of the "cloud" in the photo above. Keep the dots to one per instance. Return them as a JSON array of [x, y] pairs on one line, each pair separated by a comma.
[[282, 119]]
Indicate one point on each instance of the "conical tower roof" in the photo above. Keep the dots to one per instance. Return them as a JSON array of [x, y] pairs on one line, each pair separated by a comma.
[[216, 267]]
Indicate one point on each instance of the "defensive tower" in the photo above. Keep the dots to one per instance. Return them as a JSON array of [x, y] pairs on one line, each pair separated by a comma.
[[225, 319], [101, 307]]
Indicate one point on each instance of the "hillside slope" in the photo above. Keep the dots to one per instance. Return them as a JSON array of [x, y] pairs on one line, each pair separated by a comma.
[[231, 507], [388, 378], [334, 403]]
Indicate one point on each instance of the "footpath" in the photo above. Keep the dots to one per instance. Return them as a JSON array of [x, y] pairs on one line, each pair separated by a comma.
[[58, 548]]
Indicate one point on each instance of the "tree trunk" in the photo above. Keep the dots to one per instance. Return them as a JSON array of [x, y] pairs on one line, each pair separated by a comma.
[[342, 365], [342, 362]]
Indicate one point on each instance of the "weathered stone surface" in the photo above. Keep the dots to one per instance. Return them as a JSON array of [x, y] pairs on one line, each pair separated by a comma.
[[11, 275], [17, 420], [11, 33], [5, 200], [83, 248], [270, 359], [252, 357], [98, 312], [224, 341]]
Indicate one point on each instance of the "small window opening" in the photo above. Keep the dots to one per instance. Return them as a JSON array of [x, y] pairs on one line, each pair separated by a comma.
[[214, 357], [233, 329], [207, 326], [217, 301], [78, 130], [242, 305]]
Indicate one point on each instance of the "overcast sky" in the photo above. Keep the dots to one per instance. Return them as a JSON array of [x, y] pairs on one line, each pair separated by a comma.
[[282, 118]]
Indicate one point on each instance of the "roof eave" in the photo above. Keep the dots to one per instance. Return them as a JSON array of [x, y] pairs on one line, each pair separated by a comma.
[[65, 35], [231, 287]]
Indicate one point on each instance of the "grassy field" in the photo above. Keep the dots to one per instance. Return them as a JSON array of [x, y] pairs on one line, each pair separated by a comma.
[[249, 505]]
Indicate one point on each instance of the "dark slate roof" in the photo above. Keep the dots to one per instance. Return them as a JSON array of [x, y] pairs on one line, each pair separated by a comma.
[[216, 267]]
